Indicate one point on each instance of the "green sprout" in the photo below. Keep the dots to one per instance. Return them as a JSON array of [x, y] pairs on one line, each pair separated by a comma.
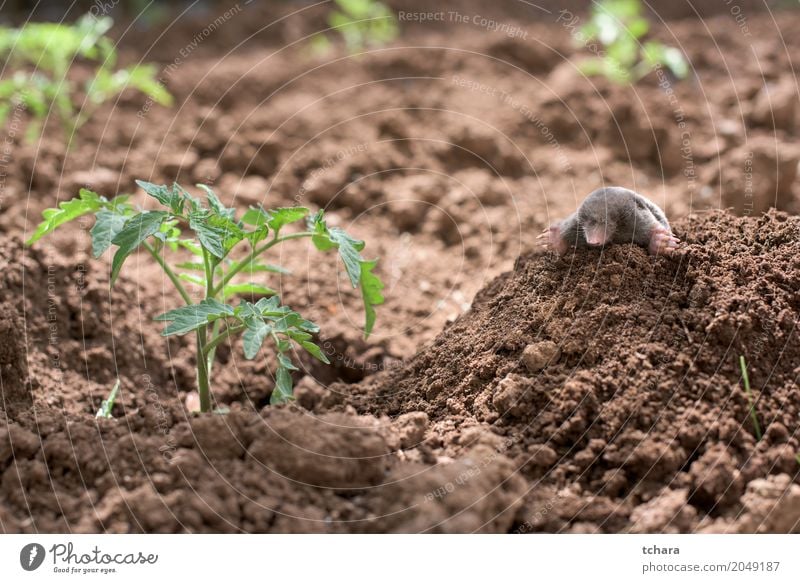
[[619, 26], [750, 401], [756, 425], [362, 23], [104, 412], [219, 273], [50, 50]]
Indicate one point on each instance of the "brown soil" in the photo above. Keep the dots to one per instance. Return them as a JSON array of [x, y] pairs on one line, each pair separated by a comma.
[[597, 392], [612, 379]]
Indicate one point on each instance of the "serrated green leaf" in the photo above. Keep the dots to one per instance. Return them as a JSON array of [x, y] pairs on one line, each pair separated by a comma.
[[215, 203], [194, 203], [371, 292], [253, 338], [161, 193], [247, 313], [136, 230], [255, 216], [257, 235], [282, 216], [308, 326], [253, 266], [217, 234], [321, 237], [188, 318], [325, 239], [265, 305], [87, 202], [168, 196], [298, 335], [286, 362], [349, 251], [247, 288], [107, 225], [283, 381], [210, 237], [276, 218], [285, 322], [314, 351]]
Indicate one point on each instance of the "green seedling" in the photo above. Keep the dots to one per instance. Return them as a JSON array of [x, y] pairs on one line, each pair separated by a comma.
[[619, 26], [104, 412], [44, 53], [756, 425], [219, 272], [746, 381], [361, 23]]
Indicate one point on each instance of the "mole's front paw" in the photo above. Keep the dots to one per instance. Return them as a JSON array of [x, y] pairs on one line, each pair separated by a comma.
[[662, 242], [553, 239]]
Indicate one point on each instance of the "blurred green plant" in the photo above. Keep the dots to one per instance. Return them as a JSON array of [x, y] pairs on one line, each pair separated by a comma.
[[361, 23], [51, 50], [149, 14], [619, 26]]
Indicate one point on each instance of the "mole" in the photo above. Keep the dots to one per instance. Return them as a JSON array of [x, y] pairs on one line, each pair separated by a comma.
[[613, 215]]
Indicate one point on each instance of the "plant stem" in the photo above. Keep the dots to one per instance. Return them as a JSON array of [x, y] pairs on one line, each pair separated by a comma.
[[211, 352], [170, 274], [209, 270], [203, 381], [255, 253], [203, 387], [753, 415]]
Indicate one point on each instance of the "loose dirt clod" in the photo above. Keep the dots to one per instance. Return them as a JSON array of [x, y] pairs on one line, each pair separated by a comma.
[[539, 355]]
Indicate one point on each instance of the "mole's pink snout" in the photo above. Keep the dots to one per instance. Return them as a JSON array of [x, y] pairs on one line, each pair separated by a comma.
[[596, 236]]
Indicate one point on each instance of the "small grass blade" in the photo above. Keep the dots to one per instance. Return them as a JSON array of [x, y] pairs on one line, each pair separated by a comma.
[[747, 390], [104, 412]]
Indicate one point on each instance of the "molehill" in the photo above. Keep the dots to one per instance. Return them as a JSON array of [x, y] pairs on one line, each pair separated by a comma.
[[611, 380]]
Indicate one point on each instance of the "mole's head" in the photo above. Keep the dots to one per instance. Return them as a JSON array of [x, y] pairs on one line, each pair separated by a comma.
[[597, 220], [602, 214]]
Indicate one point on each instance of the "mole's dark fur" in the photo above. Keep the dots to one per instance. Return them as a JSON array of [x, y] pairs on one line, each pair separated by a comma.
[[614, 215]]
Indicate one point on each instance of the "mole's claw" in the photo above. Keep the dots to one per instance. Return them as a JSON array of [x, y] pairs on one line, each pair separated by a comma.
[[662, 242]]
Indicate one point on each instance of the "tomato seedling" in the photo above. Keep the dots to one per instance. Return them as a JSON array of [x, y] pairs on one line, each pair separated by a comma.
[[217, 232], [45, 53], [361, 23], [619, 26]]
